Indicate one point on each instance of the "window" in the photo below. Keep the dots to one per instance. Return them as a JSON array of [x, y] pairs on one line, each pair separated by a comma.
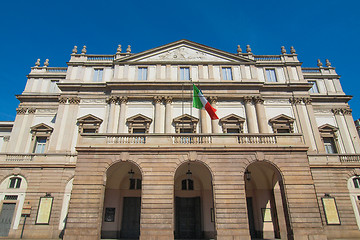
[[282, 124], [135, 183], [329, 137], [185, 124], [232, 124], [187, 184], [40, 137], [98, 75], [40, 145], [139, 124], [356, 182], [329, 145], [226, 73], [15, 182], [142, 73], [184, 73], [270, 75], [314, 88], [89, 124]]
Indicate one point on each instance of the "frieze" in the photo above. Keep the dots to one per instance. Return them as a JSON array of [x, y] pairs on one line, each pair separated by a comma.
[[277, 101], [93, 100], [322, 111], [74, 100], [295, 100], [46, 110]]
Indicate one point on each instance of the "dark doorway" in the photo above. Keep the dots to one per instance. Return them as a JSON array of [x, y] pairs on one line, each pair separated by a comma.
[[188, 218], [6, 217], [130, 227]]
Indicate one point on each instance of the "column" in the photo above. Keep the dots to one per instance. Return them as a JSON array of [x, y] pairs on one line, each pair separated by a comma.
[[314, 127], [343, 131], [59, 128], [112, 101], [260, 114], [157, 102], [168, 120], [122, 114], [352, 129], [203, 121], [214, 123], [70, 137], [27, 138], [250, 118], [16, 130], [303, 127]]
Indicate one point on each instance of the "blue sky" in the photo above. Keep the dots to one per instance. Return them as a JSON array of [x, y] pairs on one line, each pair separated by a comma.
[[48, 29]]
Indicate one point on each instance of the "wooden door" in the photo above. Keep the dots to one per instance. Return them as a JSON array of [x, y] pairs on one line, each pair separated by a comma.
[[130, 227], [188, 218], [6, 217]]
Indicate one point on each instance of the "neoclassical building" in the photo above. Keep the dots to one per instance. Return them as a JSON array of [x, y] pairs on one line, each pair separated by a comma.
[[110, 147]]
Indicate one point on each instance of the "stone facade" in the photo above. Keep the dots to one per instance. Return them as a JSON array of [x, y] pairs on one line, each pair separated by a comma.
[[113, 144]]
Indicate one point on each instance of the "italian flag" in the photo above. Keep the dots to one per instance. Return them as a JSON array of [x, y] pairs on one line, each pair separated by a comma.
[[199, 101]]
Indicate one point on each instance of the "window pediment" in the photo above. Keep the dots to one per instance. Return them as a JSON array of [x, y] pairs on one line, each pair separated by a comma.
[[282, 124], [139, 123], [89, 123], [328, 130], [232, 122], [41, 129], [185, 123]]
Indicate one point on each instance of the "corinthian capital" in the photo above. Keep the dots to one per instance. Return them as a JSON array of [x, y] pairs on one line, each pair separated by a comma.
[[307, 101], [295, 100], [248, 99], [346, 111], [123, 99], [112, 99], [258, 99], [21, 110], [213, 99], [74, 100], [157, 99], [336, 111], [168, 99]]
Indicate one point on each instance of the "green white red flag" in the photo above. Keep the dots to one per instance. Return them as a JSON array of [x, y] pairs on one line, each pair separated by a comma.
[[199, 101]]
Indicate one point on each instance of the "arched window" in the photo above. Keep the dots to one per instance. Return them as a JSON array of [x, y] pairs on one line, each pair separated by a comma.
[[354, 191], [187, 184], [356, 182], [15, 182]]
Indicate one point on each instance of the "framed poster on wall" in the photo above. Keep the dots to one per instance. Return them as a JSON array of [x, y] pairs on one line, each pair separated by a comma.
[[44, 210], [330, 210]]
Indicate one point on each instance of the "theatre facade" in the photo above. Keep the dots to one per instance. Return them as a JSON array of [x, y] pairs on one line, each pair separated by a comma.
[[110, 147]]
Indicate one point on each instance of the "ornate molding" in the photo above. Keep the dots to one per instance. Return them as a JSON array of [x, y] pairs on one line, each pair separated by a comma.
[[295, 100], [168, 99], [346, 111], [123, 99], [74, 100], [112, 99], [157, 100], [31, 110], [307, 101], [336, 111], [62, 100], [93, 100], [21, 110], [248, 99], [6, 138], [213, 99], [258, 100], [322, 111]]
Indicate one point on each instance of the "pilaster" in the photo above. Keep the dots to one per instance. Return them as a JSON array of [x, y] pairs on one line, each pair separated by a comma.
[[352, 129], [168, 118], [157, 101], [111, 101], [122, 101], [260, 115], [250, 118], [314, 127], [343, 133]]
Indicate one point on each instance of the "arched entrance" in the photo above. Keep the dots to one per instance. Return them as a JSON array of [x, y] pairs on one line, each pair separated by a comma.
[[266, 204], [194, 204], [122, 202]]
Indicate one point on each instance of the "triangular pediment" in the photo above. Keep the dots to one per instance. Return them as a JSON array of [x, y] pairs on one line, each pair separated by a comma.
[[184, 51], [281, 118], [139, 118], [41, 127], [232, 118], [186, 118], [327, 128], [89, 118]]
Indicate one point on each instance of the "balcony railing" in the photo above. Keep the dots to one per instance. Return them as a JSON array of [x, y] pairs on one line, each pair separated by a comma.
[[267, 57], [333, 159], [28, 158], [150, 140]]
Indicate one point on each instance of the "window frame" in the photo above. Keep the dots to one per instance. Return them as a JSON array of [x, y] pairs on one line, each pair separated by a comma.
[[329, 132], [232, 121], [282, 122], [98, 77], [89, 122], [185, 121], [138, 121], [188, 186], [275, 74], [224, 76], [180, 74], [16, 183], [140, 73], [40, 131]]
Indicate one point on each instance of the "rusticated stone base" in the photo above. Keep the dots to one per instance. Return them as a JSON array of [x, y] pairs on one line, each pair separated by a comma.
[[156, 234], [233, 234]]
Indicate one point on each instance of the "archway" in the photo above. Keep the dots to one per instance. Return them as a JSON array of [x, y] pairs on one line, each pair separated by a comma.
[[266, 205], [122, 201], [194, 202]]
